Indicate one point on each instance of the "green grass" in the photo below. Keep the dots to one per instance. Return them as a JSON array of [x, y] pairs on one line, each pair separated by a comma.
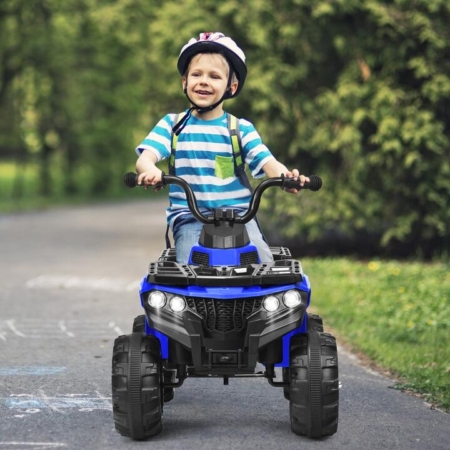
[[396, 313]]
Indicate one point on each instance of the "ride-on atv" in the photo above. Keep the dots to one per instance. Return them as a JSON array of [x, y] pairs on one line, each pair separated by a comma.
[[218, 316]]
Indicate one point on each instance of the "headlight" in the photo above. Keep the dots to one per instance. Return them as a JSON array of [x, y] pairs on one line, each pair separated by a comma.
[[157, 299], [177, 304], [292, 299], [271, 303]]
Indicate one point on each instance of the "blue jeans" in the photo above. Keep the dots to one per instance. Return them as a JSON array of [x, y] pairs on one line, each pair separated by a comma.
[[186, 233]]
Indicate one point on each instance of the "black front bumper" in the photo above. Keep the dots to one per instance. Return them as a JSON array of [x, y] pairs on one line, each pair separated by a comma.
[[226, 351]]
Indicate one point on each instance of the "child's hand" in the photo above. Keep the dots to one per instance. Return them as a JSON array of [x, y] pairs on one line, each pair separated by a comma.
[[150, 178], [296, 174]]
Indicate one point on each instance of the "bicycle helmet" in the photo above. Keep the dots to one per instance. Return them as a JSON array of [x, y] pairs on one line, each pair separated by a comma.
[[215, 43], [212, 43]]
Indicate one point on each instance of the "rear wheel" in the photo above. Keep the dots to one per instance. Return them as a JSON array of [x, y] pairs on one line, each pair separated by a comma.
[[136, 386], [139, 324], [169, 377], [286, 378], [315, 322], [314, 384]]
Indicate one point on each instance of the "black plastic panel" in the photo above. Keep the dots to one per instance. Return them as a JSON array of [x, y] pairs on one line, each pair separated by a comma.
[[281, 271]]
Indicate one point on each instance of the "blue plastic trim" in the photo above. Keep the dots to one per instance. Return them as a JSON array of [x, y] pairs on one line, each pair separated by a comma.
[[305, 285], [223, 257]]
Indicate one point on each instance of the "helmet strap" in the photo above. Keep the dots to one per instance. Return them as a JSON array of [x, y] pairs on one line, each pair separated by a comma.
[[178, 127]]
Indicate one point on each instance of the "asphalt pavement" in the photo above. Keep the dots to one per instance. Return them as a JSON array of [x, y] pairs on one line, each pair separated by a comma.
[[69, 282]]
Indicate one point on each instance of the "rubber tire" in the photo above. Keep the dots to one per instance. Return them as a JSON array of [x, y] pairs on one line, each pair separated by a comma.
[[139, 324], [315, 322], [314, 385], [286, 377], [136, 386], [169, 377]]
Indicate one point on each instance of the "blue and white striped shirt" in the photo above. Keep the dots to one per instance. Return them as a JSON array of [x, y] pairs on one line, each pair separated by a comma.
[[204, 158]]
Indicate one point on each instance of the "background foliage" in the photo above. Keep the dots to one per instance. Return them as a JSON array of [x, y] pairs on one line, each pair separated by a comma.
[[354, 90]]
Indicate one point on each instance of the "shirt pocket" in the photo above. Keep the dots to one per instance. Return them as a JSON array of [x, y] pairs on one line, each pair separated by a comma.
[[224, 166]]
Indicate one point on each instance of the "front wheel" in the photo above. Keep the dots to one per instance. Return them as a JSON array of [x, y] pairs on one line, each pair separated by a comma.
[[136, 386], [315, 322], [314, 384]]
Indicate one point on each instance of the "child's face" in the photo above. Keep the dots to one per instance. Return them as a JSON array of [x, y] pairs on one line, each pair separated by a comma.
[[207, 79]]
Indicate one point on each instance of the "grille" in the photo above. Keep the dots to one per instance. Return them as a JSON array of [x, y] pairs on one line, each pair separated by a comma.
[[200, 258], [248, 258], [224, 315]]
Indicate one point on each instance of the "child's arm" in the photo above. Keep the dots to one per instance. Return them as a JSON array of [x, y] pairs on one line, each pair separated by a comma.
[[274, 168], [149, 174]]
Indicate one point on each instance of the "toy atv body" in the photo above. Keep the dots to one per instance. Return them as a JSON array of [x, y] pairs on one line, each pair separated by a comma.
[[219, 315]]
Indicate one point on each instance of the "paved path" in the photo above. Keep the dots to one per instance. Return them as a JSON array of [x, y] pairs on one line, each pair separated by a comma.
[[68, 287]]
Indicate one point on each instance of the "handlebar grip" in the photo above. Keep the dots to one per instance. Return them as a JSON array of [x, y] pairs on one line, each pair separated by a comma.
[[131, 180], [314, 184]]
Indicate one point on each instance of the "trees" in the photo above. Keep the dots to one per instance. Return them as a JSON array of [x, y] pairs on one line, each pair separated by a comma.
[[356, 91], [72, 74], [360, 96]]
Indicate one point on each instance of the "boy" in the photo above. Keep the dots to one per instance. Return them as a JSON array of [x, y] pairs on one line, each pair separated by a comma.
[[212, 69]]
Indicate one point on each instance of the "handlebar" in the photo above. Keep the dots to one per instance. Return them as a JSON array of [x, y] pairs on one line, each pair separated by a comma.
[[314, 184]]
